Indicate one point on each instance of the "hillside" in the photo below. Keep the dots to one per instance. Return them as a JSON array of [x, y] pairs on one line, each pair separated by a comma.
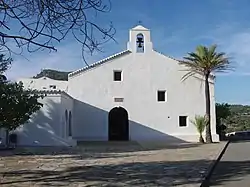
[[53, 74], [239, 118]]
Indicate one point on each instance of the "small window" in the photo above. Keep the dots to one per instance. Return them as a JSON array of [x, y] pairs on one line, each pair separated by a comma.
[[118, 99], [52, 86], [117, 75], [182, 121], [161, 96]]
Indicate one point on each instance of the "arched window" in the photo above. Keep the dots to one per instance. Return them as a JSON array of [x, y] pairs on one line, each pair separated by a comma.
[[66, 122], [66, 116], [70, 124], [139, 43]]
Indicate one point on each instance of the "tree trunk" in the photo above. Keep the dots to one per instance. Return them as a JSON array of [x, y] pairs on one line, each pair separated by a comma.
[[7, 138], [201, 140], [208, 115]]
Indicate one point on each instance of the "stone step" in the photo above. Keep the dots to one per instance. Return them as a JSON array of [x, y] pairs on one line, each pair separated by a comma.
[[107, 143]]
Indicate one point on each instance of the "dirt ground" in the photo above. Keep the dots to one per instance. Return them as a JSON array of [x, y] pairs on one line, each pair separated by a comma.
[[180, 165]]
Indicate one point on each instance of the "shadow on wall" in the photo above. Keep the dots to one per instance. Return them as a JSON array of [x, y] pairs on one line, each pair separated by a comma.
[[91, 123], [172, 173], [43, 128]]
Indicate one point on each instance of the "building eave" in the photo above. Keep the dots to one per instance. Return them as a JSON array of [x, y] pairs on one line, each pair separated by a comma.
[[52, 92], [98, 63]]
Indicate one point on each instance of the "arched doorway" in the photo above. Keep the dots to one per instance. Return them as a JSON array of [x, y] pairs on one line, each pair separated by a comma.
[[118, 124]]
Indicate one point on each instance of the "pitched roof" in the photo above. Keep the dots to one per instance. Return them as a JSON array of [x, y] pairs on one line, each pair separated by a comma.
[[99, 63], [140, 27], [115, 56]]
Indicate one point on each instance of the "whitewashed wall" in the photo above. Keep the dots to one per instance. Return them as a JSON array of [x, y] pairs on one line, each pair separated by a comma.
[[43, 83], [47, 127], [143, 74]]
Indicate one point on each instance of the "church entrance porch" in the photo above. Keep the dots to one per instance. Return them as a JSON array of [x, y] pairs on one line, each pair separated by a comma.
[[118, 124]]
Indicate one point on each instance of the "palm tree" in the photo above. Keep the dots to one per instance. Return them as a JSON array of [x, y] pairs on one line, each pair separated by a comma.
[[200, 123], [205, 60]]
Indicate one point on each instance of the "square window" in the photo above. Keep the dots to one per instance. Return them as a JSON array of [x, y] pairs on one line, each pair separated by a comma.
[[161, 95], [117, 75], [182, 121]]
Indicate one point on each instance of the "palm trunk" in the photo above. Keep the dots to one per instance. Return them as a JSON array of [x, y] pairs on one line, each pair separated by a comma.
[[201, 140], [207, 95]]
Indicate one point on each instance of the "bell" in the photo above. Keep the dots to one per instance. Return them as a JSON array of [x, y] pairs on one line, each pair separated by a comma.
[[139, 41]]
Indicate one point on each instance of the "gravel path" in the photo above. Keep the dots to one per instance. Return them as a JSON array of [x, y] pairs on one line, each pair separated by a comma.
[[173, 166]]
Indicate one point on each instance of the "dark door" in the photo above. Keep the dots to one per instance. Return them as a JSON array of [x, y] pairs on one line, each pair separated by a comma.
[[118, 124]]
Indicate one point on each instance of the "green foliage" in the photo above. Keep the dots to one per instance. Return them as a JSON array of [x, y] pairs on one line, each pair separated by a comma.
[[200, 123], [205, 60], [16, 105], [4, 65], [53, 74], [232, 117], [222, 111], [239, 118]]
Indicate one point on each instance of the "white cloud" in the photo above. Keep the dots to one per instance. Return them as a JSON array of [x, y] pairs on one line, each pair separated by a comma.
[[235, 42]]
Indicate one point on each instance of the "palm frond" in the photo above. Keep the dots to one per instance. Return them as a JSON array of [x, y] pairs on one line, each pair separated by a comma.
[[187, 75], [200, 123], [206, 60]]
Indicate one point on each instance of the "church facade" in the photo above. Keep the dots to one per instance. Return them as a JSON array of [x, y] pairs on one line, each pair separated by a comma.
[[135, 95]]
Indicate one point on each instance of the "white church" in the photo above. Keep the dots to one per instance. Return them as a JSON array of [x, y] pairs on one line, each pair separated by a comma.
[[134, 95]]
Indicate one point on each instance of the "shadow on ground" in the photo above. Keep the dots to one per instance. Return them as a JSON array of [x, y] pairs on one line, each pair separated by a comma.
[[230, 171], [95, 150], [127, 174], [235, 166]]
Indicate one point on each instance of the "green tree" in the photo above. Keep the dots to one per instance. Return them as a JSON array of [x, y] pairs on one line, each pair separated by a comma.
[[4, 65], [205, 61], [16, 106], [222, 113], [239, 118], [16, 103], [200, 123]]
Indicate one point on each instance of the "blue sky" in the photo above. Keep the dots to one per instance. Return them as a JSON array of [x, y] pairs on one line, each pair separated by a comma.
[[177, 27]]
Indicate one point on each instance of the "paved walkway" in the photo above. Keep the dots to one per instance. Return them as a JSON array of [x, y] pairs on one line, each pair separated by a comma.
[[173, 166], [234, 167]]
